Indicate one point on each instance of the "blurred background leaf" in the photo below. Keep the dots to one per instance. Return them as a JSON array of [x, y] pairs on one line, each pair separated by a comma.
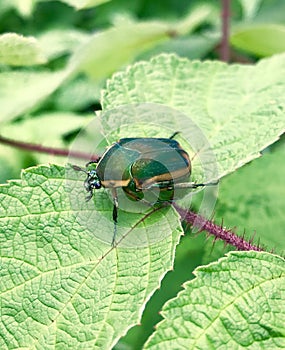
[[262, 40], [17, 50]]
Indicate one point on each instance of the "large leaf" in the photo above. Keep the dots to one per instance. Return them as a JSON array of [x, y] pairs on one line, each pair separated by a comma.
[[238, 302], [61, 287], [239, 109]]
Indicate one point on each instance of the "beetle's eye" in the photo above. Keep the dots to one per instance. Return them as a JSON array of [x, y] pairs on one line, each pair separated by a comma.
[[97, 185]]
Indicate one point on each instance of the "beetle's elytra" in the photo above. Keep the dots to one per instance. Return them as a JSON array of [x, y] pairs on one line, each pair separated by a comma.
[[140, 165]]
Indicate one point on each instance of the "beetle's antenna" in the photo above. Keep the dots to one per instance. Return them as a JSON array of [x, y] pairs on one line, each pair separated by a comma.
[[78, 168], [173, 135]]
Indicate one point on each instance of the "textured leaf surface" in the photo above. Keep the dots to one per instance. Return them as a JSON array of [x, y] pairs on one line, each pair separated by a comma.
[[61, 287], [17, 50], [238, 302], [239, 109], [261, 40]]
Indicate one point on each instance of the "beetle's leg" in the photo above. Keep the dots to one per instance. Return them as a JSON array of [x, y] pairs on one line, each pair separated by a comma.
[[115, 214], [184, 185], [194, 185], [174, 134], [89, 196]]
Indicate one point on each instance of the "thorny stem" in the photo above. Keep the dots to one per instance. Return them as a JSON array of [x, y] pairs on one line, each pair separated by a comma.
[[217, 231], [225, 51], [190, 217]]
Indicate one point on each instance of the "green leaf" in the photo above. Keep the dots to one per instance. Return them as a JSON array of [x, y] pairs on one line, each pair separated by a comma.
[[99, 59], [237, 302], [77, 94], [22, 7], [253, 199], [23, 91], [17, 50], [194, 47], [239, 109], [271, 12], [261, 40], [197, 16], [9, 161], [61, 286], [47, 128], [57, 42]]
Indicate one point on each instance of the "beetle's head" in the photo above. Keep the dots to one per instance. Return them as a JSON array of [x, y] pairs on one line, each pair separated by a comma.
[[92, 181]]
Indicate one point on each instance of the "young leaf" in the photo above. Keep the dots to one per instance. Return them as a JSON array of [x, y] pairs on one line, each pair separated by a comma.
[[17, 50], [237, 302], [239, 109], [62, 287]]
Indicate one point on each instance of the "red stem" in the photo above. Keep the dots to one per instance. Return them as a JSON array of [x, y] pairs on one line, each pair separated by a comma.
[[47, 150], [225, 50]]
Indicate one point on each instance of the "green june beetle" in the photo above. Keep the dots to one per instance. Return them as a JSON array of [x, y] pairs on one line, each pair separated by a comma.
[[141, 166]]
